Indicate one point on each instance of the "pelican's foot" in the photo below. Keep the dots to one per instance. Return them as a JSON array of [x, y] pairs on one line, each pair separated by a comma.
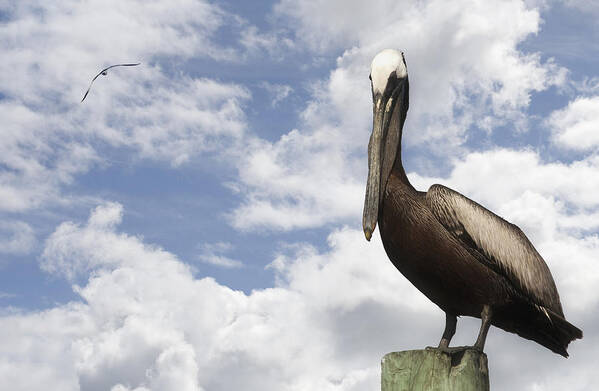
[[454, 349]]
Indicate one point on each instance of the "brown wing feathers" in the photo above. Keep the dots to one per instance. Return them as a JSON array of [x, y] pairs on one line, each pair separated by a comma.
[[505, 246]]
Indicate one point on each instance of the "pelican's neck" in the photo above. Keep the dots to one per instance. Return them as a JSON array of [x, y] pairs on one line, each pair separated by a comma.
[[398, 169]]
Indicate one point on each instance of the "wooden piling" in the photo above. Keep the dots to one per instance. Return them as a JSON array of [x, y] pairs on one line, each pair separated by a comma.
[[434, 370]]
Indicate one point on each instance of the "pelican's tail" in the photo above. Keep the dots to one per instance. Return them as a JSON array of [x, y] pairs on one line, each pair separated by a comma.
[[563, 332], [551, 330], [539, 324]]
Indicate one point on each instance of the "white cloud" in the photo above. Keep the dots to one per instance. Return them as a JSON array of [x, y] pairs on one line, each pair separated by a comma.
[[178, 119], [106, 217], [147, 324], [587, 86], [300, 181], [35, 161], [466, 74], [577, 125], [169, 120], [274, 43], [49, 137], [212, 253], [16, 237], [278, 92], [461, 56], [497, 176]]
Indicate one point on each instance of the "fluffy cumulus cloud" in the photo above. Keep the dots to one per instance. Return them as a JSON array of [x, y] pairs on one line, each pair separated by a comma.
[[312, 175], [452, 55], [146, 323], [515, 171], [577, 125], [299, 181], [466, 74]]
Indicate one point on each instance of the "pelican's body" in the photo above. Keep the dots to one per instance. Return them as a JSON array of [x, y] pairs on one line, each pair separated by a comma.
[[463, 257]]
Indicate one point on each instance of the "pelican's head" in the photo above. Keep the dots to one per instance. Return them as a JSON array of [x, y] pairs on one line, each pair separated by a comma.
[[389, 76], [386, 69]]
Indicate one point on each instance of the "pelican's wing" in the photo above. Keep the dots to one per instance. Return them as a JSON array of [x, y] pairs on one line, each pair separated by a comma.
[[507, 249]]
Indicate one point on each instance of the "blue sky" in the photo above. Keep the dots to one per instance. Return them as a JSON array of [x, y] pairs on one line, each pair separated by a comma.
[[198, 210]]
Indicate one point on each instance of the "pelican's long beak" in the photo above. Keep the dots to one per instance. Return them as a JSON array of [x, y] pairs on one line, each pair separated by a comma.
[[382, 150]]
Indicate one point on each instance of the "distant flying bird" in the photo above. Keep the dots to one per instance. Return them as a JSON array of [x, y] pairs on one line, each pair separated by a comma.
[[463, 257], [104, 72]]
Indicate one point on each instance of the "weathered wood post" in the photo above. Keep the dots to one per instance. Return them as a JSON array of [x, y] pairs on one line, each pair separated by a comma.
[[434, 370]]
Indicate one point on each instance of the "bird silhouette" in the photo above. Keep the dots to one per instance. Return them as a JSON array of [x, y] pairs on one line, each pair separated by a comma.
[[104, 72]]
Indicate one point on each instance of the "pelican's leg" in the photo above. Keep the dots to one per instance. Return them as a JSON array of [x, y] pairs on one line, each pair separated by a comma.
[[450, 323], [484, 327]]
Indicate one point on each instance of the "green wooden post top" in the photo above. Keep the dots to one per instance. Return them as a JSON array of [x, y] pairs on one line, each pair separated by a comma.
[[434, 370]]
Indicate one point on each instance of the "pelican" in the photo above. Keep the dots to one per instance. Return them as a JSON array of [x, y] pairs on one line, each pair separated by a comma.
[[463, 257], [104, 72]]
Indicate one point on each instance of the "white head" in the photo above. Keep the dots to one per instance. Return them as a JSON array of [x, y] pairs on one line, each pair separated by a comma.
[[385, 63]]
